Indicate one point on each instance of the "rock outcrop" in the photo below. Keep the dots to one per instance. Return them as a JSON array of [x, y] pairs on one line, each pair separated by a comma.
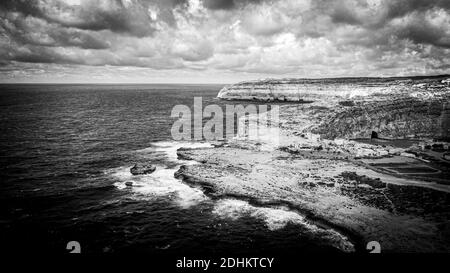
[[142, 168]]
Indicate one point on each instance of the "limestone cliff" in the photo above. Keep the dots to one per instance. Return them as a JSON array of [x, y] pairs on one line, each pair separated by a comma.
[[307, 90], [352, 108]]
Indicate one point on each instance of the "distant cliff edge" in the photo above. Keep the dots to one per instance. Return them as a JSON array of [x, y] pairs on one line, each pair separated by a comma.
[[354, 107], [310, 89]]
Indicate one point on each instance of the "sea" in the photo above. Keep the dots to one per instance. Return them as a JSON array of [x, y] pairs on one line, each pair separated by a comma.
[[65, 155]]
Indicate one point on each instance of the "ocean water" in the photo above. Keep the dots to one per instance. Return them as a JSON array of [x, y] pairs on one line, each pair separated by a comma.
[[65, 154]]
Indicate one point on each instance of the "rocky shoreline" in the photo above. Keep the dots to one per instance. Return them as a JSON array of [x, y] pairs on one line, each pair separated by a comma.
[[394, 190], [362, 206]]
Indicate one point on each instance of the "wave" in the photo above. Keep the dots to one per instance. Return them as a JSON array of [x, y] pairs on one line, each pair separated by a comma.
[[162, 183], [274, 218], [278, 218]]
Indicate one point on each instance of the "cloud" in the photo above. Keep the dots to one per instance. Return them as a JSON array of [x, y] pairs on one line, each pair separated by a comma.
[[35, 31], [228, 4], [251, 38], [399, 8], [263, 20], [132, 17], [432, 27], [193, 50]]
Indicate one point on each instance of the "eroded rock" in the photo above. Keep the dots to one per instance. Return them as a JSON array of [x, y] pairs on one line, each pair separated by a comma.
[[142, 168]]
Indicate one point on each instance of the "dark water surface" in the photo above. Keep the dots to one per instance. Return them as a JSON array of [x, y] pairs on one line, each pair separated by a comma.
[[66, 149]]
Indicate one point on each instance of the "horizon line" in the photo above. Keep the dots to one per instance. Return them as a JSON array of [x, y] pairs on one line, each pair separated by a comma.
[[222, 83]]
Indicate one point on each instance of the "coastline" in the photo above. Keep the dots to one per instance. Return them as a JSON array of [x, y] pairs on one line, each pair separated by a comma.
[[345, 185]]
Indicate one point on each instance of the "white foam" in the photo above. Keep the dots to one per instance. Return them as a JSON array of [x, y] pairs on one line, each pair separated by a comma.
[[158, 184], [274, 218], [162, 181], [278, 218]]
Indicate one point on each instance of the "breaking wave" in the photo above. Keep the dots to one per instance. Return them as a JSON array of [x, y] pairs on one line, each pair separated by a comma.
[[274, 218], [161, 183], [279, 217]]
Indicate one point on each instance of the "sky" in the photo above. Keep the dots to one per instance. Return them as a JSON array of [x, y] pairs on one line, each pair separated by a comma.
[[220, 41]]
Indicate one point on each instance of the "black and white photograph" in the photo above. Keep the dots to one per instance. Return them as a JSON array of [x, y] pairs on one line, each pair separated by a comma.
[[224, 135]]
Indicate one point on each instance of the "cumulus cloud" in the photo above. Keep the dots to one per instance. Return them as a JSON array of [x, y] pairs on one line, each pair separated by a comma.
[[241, 38], [228, 4], [133, 17]]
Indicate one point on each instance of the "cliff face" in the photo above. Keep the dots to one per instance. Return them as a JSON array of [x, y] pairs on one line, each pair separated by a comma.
[[400, 118], [353, 108], [310, 90]]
